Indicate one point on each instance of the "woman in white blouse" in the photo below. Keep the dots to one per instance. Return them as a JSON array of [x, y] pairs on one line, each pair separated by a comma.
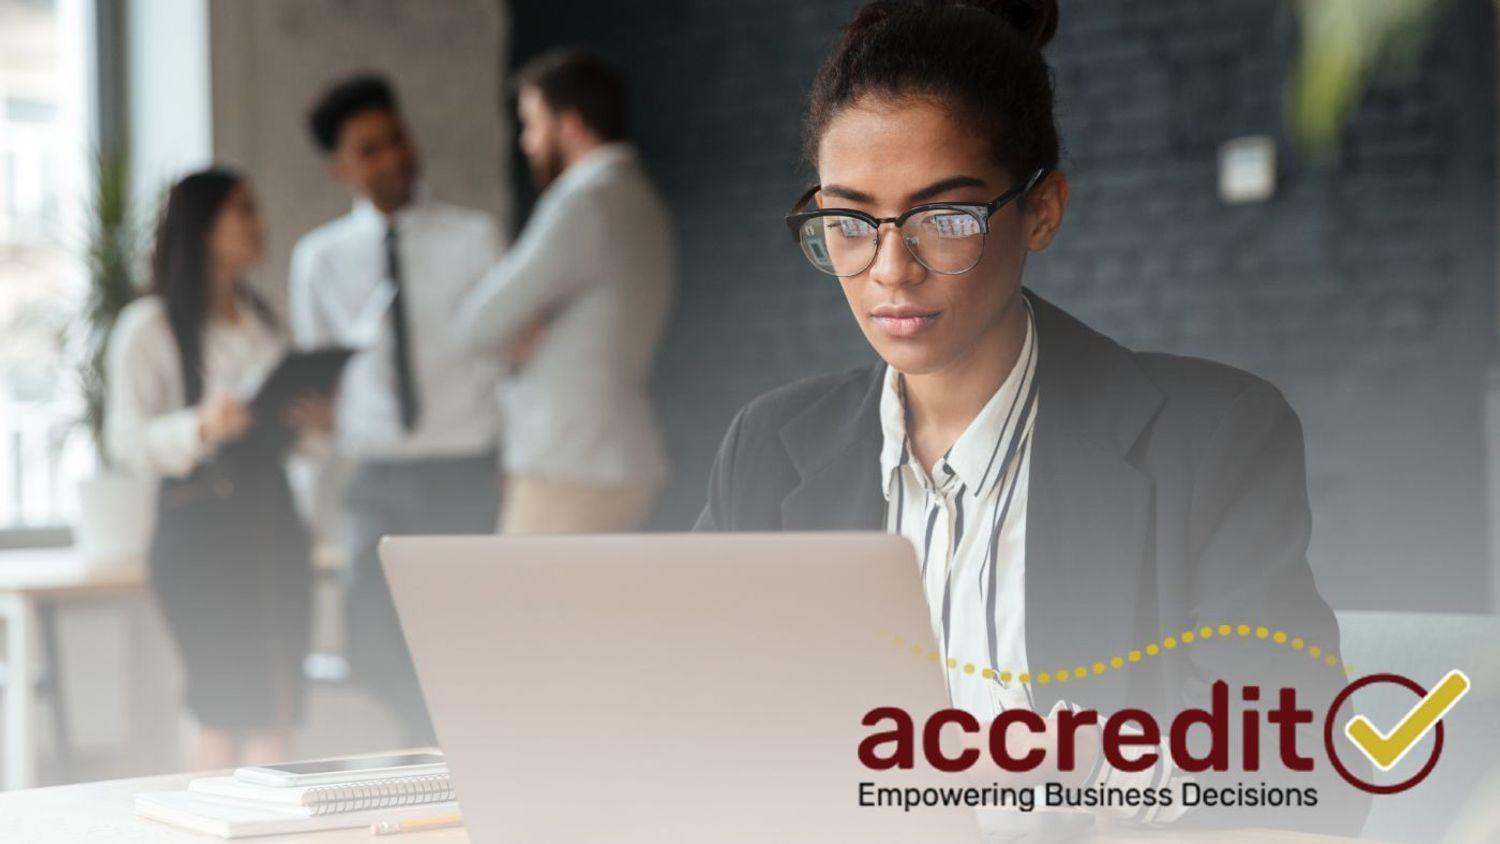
[[229, 556]]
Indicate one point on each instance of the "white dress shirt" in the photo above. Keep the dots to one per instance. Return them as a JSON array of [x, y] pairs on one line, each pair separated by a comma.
[[148, 426], [967, 520], [340, 295], [597, 264]]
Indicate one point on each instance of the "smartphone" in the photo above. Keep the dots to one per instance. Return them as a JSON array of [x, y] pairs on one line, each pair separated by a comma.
[[358, 769]]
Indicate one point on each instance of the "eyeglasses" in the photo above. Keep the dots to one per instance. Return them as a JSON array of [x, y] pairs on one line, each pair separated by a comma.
[[944, 237]]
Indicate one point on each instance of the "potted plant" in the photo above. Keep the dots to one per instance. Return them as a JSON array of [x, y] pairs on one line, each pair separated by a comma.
[[114, 508]]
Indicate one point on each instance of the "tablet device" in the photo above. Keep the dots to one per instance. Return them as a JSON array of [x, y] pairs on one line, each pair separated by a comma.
[[299, 373], [347, 770]]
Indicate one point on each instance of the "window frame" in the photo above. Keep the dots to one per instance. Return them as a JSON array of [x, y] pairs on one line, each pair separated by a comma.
[[105, 105]]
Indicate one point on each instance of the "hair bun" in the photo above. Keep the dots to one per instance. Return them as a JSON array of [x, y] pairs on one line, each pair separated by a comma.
[[1034, 19], [869, 16]]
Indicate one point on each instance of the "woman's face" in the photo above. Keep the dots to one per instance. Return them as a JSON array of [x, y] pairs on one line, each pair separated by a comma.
[[883, 156], [237, 241]]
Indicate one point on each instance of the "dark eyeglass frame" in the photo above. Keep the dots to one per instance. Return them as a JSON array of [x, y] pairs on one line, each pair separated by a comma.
[[981, 211]]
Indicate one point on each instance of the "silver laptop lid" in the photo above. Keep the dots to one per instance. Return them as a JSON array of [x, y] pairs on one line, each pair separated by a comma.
[[663, 688]]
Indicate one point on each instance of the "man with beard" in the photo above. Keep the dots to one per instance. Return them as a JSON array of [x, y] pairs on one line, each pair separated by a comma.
[[577, 308], [416, 412]]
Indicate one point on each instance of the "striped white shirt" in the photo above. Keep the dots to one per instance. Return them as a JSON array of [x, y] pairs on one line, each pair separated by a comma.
[[967, 519]]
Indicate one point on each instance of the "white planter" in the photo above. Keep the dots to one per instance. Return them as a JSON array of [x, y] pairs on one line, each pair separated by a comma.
[[115, 515]]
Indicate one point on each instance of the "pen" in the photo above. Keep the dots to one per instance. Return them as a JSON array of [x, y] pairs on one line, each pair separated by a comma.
[[416, 824]]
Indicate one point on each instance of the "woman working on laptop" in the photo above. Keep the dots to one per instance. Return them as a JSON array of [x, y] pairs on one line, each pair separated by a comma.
[[1074, 505]]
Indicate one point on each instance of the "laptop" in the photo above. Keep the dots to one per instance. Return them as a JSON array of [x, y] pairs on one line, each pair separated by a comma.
[[672, 688]]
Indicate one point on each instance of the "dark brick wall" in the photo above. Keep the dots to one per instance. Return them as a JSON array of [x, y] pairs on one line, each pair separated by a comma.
[[1364, 289]]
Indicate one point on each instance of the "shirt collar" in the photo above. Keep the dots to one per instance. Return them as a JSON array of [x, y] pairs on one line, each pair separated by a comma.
[[971, 461], [367, 214], [893, 449], [596, 160]]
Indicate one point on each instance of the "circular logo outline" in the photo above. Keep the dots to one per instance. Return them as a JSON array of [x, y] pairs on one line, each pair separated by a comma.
[[1333, 756]]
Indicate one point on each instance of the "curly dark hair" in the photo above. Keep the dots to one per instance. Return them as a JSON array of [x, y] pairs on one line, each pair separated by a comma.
[[982, 58], [344, 100]]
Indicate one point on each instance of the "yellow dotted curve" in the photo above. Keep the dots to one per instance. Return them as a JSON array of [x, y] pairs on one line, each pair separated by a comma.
[[1064, 674]]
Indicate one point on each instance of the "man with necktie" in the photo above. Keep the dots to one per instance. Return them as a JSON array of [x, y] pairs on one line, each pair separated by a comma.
[[417, 414]]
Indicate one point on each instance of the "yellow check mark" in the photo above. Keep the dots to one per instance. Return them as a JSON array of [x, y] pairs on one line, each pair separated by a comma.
[[1387, 749]]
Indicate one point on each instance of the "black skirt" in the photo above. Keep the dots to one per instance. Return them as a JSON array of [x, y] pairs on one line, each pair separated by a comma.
[[231, 572]]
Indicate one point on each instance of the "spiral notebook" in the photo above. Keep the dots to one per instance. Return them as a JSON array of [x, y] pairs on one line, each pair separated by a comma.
[[310, 800], [199, 813]]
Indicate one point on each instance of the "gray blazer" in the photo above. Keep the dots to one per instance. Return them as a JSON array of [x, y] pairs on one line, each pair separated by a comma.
[[1166, 493], [597, 262]]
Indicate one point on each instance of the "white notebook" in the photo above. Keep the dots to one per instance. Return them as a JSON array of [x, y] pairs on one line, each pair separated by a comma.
[[193, 812], [326, 799]]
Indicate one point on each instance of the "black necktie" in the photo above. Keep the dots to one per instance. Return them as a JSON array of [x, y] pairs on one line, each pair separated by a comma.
[[406, 383]]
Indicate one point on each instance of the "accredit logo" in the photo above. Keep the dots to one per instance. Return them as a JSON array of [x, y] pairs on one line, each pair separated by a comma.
[[897, 743]]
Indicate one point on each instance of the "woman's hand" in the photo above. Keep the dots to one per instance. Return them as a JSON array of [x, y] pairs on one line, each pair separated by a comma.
[[310, 413], [222, 419]]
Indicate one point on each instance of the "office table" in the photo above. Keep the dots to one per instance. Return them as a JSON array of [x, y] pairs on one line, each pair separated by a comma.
[[30, 578], [33, 578], [103, 812]]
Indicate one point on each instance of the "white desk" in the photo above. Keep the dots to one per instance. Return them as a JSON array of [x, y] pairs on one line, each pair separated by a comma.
[[31, 576], [103, 811]]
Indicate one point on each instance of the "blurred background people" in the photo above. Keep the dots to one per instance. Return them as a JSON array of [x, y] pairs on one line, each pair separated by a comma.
[[578, 308], [229, 556], [417, 412]]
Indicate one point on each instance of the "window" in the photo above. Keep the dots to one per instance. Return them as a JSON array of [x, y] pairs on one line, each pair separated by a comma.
[[46, 57]]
